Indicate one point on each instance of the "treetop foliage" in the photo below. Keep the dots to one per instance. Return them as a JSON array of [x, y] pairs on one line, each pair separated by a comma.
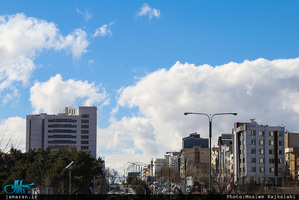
[[46, 168]]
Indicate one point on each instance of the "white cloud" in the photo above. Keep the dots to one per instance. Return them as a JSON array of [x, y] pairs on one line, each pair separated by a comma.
[[265, 90], [22, 38], [146, 10], [129, 135], [103, 30], [86, 15], [52, 95], [13, 134]]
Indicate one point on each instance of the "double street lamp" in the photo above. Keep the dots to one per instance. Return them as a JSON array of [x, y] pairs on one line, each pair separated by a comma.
[[210, 117]]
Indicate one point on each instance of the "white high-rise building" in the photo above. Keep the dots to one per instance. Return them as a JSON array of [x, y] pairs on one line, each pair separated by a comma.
[[258, 152], [64, 129]]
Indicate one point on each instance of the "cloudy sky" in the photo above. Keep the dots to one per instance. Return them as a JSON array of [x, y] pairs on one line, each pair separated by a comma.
[[145, 63]]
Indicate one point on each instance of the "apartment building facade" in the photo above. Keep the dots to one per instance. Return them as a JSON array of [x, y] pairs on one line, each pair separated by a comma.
[[224, 156], [64, 129], [258, 152], [292, 156]]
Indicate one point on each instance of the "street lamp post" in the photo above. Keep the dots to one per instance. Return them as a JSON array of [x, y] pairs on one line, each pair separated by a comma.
[[210, 117], [70, 175]]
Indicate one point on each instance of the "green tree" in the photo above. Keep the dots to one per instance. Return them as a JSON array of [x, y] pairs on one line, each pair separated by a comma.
[[46, 168]]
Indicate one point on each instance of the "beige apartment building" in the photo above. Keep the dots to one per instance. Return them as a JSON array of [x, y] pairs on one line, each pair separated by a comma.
[[292, 155]]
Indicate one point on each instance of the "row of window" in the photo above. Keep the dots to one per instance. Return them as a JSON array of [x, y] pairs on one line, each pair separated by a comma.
[[261, 142], [62, 142], [68, 136], [84, 121], [84, 147], [62, 126], [62, 136], [262, 169], [262, 133], [62, 120], [262, 160], [261, 151], [85, 116], [62, 131], [82, 126]]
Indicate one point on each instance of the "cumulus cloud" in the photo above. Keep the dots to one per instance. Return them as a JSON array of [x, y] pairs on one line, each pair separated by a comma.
[[54, 94], [103, 30], [146, 10], [22, 38], [86, 15], [129, 135], [265, 90], [13, 134]]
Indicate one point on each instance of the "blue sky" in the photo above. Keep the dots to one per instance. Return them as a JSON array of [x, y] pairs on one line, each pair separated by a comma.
[[143, 70]]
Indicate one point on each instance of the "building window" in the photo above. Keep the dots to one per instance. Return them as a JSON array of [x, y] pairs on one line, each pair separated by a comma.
[[279, 152], [271, 169], [271, 151], [252, 133], [84, 131], [261, 151], [62, 131], [271, 160], [62, 126], [243, 133], [261, 160], [84, 147], [84, 126], [253, 160], [253, 169], [62, 120], [243, 151], [84, 142], [244, 142], [62, 136], [253, 151], [84, 137], [85, 116], [84, 121], [271, 142], [279, 160], [252, 141], [261, 142], [62, 142], [243, 160], [261, 169], [271, 133], [280, 134], [261, 133], [280, 170], [280, 143]]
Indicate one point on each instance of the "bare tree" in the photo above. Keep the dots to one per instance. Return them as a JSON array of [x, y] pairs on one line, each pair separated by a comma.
[[223, 182], [113, 175], [7, 142]]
